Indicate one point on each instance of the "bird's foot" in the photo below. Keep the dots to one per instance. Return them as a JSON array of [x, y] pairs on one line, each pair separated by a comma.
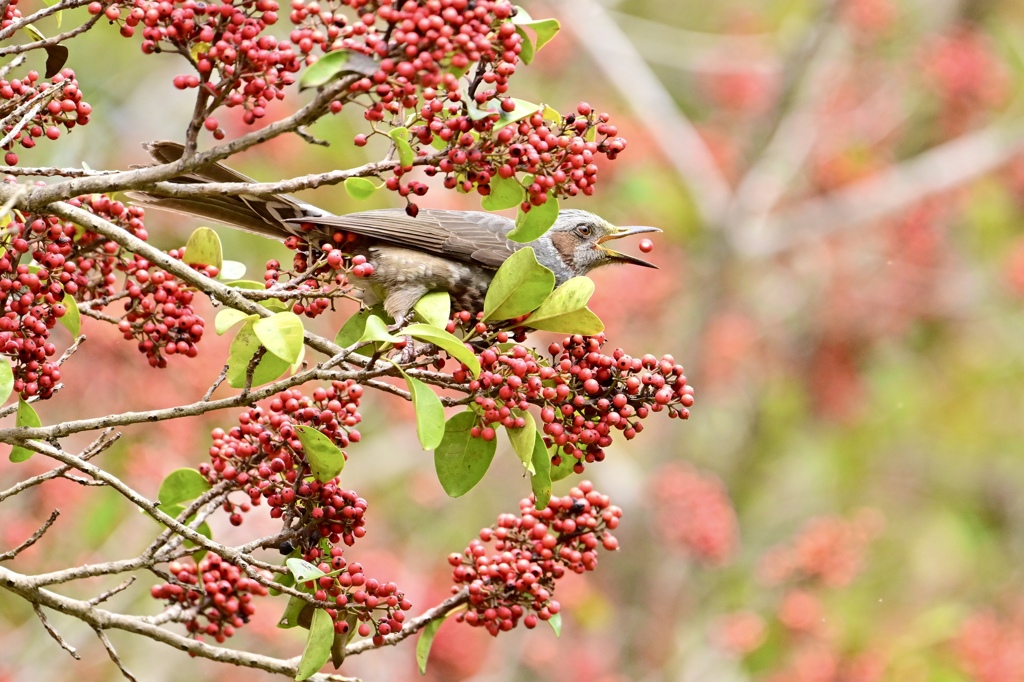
[[399, 323], [409, 353]]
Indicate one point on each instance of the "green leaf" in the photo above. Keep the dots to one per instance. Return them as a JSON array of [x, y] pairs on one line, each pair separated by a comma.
[[565, 310], [203, 248], [284, 579], [182, 485], [318, 646], [326, 460], [290, 617], [325, 69], [435, 308], [243, 348], [400, 136], [546, 29], [551, 114], [519, 286], [530, 226], [228, 318], [563, 470], [361, 188], [302, 570], [341, 640], [555, 622], [461, 460], [375, 330], [6, 381], [232, 269], [72, 319], [523, 439], [449, 343], [505, 193], [529, 50], [276, 305], [281, 335], [352, 330], [426, 641], [26, 417], [521, 111], [430, 426], [540, 481]]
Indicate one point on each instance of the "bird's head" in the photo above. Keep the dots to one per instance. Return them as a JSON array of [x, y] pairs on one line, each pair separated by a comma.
[[580, 239]]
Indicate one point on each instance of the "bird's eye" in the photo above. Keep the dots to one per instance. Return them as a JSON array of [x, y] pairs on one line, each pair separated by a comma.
[[583, 230]]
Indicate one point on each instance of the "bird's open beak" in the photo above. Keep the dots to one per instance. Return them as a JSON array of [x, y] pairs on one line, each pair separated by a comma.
[[621, 232]]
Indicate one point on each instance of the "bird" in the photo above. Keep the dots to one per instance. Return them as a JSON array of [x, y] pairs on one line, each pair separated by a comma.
[[437, 250]]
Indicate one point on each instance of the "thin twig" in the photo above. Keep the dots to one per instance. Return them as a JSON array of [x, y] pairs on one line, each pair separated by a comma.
[[52, 631], [100, 598], [6, 556], [113, 654]]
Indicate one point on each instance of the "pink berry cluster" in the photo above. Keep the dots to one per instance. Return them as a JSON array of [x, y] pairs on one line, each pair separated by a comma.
[[62, 107], [264, 458], [225, 602], [97, 258], [159, 313], [237, 64], [379, 607], [585, 395], [560, 156], [11, 14], [31, 300], [531, 552]]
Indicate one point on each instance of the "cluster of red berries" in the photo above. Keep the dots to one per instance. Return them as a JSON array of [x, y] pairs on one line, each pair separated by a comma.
[[226, 599], [96, 257], [532, 551], [560, 156], [159, 313], [324, 271], [380, 606], [61, 103], [585, 394], [31, 301], [11, 14], [237, 65], [263, 456]]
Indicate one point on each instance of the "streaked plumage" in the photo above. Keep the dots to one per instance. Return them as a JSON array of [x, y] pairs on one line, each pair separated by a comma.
[[454, 251]]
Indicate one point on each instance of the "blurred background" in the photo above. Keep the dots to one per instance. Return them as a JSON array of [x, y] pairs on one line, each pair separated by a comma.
[[840, 184]]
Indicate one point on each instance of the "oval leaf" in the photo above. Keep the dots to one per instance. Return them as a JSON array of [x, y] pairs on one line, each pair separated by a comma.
[[360, 188], [375, 330], [232, 269], [182, 485], [461, 460], [72, 319], [324, 69], [302, 570], [243, 348], [519, 286], [203, 248], [540, 481], [281, 335], [564, 469], [318, 645], [565, 310], [521, 111], [353, 329], [530, 226], [26, 417], [326, 460], [228, 318], [449, 343], [555, 622], [247, 284], [435, 308], [400, 136], [430, 426], [6, 381], [505, 193], [290, 617], [426, 641], [524, 439]]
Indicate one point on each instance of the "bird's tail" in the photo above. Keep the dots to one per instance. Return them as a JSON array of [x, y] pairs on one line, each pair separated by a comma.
[[264, 215]]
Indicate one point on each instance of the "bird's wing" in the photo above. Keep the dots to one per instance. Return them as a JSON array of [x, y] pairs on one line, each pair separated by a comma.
[[267, 216], [469, 236]]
